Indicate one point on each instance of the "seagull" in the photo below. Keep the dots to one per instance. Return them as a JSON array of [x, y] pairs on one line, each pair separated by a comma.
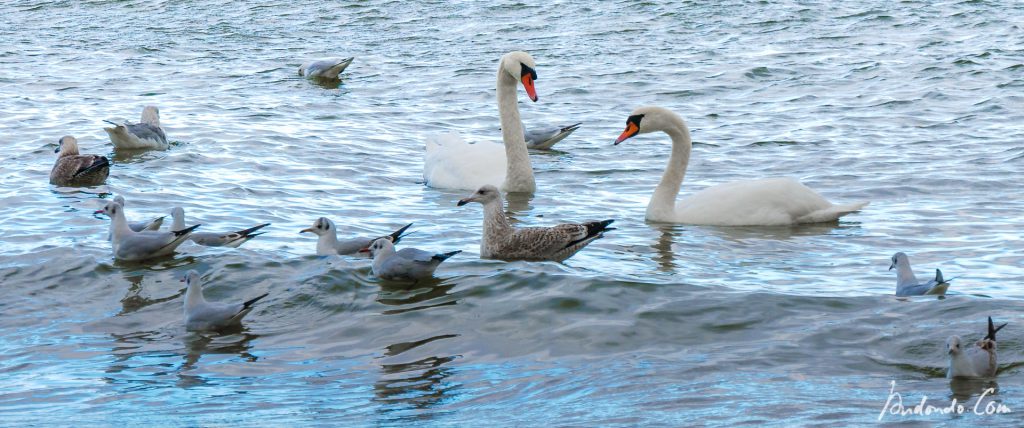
[[144, 135], [139, 226], [407, 263], [73, 169], [209, 239], [906, 282], [546, 137], [504, 242], [978, 361], [326, 68], [328, 244], [201, 315], [133, 246]]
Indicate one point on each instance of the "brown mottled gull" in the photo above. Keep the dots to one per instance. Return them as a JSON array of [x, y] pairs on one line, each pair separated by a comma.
[[504, 242], [73, 169]]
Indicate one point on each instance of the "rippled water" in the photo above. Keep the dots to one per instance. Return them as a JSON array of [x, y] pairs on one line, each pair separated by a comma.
[[916, 106]]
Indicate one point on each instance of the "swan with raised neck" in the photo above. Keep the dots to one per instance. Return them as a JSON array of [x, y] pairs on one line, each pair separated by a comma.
[[459, 165], [762, 202]]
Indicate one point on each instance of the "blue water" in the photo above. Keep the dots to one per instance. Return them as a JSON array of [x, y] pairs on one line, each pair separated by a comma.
[[915, 106]]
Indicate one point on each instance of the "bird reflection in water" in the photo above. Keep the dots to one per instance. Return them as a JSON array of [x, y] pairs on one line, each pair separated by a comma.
[[394, 293], [232, 342], [415, 385], [132, 301], [963, 389]]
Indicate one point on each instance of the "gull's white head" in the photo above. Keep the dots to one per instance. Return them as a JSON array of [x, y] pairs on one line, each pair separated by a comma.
[[381, 245], [485, 195], [321, 227], [192, 277], [119, 199], [112, 209], [650, 119], [899, 259], [521, 67], [151, 115], [953, 345], [67, 146]]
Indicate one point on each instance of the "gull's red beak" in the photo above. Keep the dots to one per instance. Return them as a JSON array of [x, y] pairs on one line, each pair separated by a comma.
[[631, 130], [99, 212]]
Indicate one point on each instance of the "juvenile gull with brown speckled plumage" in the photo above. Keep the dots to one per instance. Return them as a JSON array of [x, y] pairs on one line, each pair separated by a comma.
[[504, 242], [74, 169]]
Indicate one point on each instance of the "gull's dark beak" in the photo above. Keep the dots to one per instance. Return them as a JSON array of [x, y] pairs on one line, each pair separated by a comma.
[[57, 150], [306, 230], [462, 202], [892, 266]]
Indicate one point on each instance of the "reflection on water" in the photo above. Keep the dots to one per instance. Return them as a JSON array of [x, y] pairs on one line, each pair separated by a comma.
[[399, 294], [963, 389], [418, 384]]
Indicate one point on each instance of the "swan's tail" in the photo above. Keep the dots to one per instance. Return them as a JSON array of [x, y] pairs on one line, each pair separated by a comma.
[[831, 213]]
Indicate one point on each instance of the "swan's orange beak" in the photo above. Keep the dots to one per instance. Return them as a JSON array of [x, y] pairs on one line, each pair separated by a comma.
[[631, 130], [528, 84]]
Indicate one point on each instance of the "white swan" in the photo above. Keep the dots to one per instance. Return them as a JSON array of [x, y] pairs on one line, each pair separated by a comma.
[[763, 202], [452, 163]]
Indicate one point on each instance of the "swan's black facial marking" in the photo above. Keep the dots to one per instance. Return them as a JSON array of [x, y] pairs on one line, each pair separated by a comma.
[[526, 70], [632, 128]]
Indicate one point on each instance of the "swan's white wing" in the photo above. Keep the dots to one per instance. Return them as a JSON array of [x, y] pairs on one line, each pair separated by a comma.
[[763, 202], [452, 163]]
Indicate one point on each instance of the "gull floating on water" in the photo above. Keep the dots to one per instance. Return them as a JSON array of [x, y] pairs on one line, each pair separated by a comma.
[[144, 135], [133, 246], [407, 263], [201, 315], [137, 226], [328, 244], [326, 68], [74, 169], [210, 239], [906, 282], [546, 137], [978, 361], [504, 242]]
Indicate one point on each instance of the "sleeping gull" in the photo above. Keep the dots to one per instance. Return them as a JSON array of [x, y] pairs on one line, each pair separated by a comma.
[[407, 263], [978, 361], [504, 242], [137, 226], [144, 135], [73, 169], [201, 315], [326, 68], [906, 282], [210, 239], [132, 246], [327, 244], [546, 137]]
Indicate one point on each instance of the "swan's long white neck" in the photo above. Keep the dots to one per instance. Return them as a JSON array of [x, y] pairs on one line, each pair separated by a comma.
[[663, 202], [518, 172]]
